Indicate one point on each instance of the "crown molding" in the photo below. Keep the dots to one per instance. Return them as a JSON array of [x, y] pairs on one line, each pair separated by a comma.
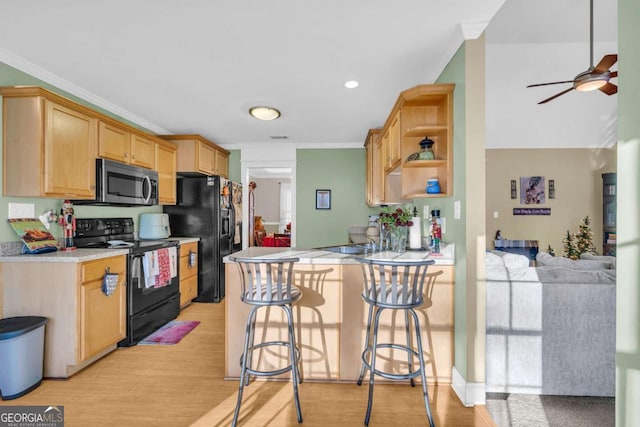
[[40, 73]]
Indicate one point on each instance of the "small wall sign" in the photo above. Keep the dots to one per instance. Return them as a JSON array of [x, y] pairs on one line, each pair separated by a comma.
[[532, 211]]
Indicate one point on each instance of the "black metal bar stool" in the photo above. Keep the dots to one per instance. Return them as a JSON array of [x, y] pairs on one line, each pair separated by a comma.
[[267, 283], [395, 285]]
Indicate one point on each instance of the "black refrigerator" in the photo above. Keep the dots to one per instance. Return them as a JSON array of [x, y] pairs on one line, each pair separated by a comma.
[[210, 208]]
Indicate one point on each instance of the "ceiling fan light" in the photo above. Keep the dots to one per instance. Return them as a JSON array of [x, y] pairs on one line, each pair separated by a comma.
[[590, 85], [264, 113]]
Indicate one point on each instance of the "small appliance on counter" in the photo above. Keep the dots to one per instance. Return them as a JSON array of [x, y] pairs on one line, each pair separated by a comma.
[[154, 226]]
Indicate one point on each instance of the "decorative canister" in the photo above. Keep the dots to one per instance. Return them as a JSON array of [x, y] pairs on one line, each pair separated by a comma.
[[433, 186]]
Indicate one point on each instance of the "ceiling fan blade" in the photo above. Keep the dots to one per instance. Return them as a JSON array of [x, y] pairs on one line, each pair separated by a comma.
[[605, 63], [613, 74], [555, 96], [609, 88], [551, 83]]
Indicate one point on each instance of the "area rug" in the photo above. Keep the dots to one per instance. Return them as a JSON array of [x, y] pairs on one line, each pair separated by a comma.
[[528, 410], [171, 333]]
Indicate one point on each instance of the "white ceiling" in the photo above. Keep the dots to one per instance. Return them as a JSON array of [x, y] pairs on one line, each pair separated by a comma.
[[197, 66]]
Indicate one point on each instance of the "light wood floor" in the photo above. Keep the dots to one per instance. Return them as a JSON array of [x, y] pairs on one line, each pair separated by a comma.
[[182, 385]]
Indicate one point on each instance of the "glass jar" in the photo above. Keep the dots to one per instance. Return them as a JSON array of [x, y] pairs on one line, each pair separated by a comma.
[[426, 153]]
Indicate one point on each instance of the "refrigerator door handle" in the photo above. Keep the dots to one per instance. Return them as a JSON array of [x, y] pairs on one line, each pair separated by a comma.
[[232, 225]]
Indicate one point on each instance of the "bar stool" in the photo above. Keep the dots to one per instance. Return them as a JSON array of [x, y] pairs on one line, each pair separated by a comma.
[[267, 283], [395, 285]]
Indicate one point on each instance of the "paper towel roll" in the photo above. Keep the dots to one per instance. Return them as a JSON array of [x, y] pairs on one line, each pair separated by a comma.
[[415, 236]]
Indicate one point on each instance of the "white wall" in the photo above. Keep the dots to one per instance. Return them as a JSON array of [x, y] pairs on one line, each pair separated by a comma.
[[574, 120]]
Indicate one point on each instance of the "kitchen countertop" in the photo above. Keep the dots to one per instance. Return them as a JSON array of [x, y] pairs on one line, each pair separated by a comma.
[[318, 256], [80, 255]]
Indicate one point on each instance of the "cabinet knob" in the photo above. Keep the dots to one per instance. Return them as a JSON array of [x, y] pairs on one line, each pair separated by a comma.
[[126, 155]]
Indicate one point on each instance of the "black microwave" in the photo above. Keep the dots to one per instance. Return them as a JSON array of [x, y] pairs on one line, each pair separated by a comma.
[[122, 184]]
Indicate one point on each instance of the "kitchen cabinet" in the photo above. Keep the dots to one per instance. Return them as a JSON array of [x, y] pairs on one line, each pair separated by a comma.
[[117, 142], [102, 317], [188, 272], [420, 112], [199, 156], [166, 166], [84, 323], [49, 145], [375, 177]]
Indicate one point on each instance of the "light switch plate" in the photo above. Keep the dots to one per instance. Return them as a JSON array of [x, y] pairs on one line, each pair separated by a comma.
[[22, 210], [456, 209]]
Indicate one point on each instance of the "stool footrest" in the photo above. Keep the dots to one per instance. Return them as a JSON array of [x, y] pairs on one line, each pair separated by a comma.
[[259, 373], [389, 375]]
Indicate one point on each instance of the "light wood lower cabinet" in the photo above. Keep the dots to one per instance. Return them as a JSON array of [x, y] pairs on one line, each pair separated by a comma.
[[84, 323], [188, 272], [330, 324]]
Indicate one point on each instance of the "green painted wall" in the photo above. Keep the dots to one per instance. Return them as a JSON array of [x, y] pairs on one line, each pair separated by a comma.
[[455, 73], [9, 76], [628, 248], [343, 172], [234, 166]]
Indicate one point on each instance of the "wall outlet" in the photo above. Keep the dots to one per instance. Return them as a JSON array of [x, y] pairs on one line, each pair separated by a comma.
[[22, 210]]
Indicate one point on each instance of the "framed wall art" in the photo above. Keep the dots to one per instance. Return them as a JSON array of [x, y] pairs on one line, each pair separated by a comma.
[[532, 190], [323, 199]]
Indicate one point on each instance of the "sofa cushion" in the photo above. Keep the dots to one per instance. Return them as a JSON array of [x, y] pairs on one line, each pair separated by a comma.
[[544, 259], [603, 258], [551, 274], [513, 261]]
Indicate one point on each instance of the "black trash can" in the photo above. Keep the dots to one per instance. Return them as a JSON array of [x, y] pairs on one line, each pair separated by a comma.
[[22, 355]]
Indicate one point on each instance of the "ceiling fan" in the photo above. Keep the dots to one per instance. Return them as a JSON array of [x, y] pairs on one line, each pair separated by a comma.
[[594, 78]]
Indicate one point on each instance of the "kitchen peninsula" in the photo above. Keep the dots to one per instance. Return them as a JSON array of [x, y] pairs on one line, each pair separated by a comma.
[[330, 319]]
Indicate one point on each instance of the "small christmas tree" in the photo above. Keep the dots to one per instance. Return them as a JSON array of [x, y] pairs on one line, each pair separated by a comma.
[[550, 251], [569, 246], [584, 238]]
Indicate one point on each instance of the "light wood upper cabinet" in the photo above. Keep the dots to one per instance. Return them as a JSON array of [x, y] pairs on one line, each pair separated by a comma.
[[373, 147], [143, 151], [166, 161], [197, 155], [420, 112], [120, 143], [49, 145]]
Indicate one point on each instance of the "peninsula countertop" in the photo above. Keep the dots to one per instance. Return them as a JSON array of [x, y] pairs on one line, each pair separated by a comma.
[[324, 257]]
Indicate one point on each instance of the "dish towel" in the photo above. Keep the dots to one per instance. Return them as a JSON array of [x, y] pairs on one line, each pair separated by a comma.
[[164, 268], [151, 268], [173, 261]]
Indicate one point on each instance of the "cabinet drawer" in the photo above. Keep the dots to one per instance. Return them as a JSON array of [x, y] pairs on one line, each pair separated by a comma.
[[94, 270]]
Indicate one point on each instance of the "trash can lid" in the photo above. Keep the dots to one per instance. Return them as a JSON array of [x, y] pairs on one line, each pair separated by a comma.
[[12, 327]]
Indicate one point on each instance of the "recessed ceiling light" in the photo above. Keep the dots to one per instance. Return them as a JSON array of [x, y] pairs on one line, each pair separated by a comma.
[[264, 113], [351, 84]]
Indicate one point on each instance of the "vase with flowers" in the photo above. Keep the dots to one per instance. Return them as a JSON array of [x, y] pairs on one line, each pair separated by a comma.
[[394, 225]]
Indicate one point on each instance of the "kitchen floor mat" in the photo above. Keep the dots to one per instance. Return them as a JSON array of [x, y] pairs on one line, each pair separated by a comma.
[[171, 333]]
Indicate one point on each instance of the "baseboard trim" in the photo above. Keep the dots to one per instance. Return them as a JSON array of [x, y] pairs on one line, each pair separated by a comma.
[[470, 394]]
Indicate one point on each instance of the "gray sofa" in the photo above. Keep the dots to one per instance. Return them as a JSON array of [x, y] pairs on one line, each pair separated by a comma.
[[550, 328]]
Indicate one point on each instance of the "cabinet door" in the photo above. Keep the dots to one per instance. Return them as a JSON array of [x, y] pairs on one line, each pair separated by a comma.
[[165, 160], [114, 142], [206, 158], [142, 151], [102, 317], [393, 151], [222, 164], [188, 273], [69, 153]]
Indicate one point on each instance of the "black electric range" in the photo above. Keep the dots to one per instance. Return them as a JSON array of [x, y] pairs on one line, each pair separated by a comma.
[[148, 307]]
